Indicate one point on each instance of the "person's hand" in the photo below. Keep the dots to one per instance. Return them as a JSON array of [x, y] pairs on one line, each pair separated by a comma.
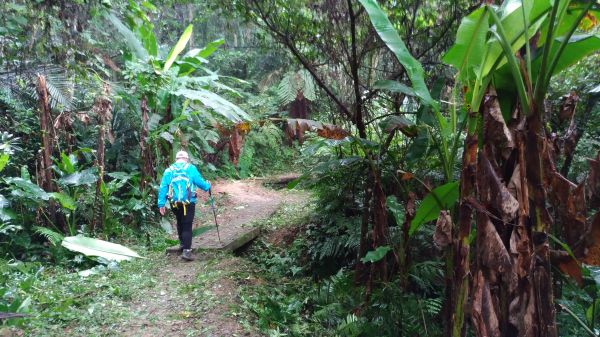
[[162, 210]]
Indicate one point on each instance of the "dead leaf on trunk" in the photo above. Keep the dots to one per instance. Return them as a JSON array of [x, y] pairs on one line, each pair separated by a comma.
[[569, 203], [495, 129], [592, 253], [493, 253], [83, 117], [243, 127], [514, 184], [569, 104], [483, 313], [521, 311], [593, 182], [236, 142], [332, 132], [493, 192], [520, 249], [443, 230]]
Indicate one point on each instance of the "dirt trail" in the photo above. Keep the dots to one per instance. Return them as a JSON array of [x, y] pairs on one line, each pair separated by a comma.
[[239, 203], [200, 298]]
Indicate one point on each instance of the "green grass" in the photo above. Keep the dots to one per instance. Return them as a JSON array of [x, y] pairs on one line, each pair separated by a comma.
[[61, 300]]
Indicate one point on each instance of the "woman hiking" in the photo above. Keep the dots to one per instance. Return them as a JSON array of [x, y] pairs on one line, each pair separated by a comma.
[[178, 185]]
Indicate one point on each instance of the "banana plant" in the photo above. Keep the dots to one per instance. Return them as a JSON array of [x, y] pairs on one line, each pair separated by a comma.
[[446, 141], [176, 92], [505, 57], [174, 73]]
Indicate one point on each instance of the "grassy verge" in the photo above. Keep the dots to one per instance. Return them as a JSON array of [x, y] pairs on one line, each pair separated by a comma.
[[60, 300]]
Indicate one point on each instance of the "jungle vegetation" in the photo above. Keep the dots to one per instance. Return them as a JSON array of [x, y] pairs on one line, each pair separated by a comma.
[[452, 149]]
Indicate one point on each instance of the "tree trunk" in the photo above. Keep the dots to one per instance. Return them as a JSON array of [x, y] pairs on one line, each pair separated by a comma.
[[380, 226], [148, 173], [405, 257], [457, 287], [541, 221], [45, 179], [102, 108], [45, 157], [167, 150], [361, 269]]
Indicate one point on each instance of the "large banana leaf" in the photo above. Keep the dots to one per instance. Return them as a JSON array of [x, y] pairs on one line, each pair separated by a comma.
[[511, 16], [65, 200], [133, 42], [149, 40], [205, 52], [579, 46], [83, 177], [469, 49], [178, 47], [3, 201], [394, 86], [94, 247], [24, 188], [390, 36], [440, 198], [3, 161], [215, 102]]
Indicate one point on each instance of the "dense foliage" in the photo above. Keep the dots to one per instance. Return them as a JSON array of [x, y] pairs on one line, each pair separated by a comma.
[[451, 150]]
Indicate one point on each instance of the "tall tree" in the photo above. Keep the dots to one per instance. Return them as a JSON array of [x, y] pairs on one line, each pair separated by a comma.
[[335, 42]]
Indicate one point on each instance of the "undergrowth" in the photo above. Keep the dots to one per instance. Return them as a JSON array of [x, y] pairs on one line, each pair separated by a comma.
[[293, 300]]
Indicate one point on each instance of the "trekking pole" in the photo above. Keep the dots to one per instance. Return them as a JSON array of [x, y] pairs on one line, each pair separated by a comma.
[[212, 205]]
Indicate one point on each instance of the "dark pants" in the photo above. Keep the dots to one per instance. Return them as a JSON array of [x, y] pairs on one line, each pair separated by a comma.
[[184, 223]]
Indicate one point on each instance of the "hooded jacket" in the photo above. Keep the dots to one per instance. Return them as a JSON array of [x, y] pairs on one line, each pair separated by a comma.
[[193, 175]]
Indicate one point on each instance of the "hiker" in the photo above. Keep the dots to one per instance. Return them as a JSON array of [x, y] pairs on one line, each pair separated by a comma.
[[178, 184]]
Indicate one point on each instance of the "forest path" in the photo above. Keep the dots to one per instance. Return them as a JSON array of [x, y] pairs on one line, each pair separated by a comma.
[[239, 203], [201, 298]]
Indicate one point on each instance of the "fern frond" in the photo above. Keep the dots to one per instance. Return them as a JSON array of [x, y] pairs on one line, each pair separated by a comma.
[[293, 83], [308, 87], [286, 91], [53, 237]]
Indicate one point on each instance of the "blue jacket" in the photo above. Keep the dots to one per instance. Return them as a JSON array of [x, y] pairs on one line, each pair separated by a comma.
[[192, 173]]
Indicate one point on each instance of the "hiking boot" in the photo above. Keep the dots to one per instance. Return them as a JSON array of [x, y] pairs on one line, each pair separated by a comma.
[[187, 255]]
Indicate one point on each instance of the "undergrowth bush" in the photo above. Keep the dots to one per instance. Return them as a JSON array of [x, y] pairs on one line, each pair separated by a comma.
[[309, 290], [264, 152]]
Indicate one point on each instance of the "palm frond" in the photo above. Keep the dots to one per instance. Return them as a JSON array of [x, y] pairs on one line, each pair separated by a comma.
[[23, 82]]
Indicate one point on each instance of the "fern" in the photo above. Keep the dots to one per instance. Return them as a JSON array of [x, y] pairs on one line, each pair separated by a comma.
[[293, 83], [53, 237], [308, 88], [427, 275], [432, 306]]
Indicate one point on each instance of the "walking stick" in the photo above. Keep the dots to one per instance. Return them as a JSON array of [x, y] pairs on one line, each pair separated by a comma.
[[212, 205]]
